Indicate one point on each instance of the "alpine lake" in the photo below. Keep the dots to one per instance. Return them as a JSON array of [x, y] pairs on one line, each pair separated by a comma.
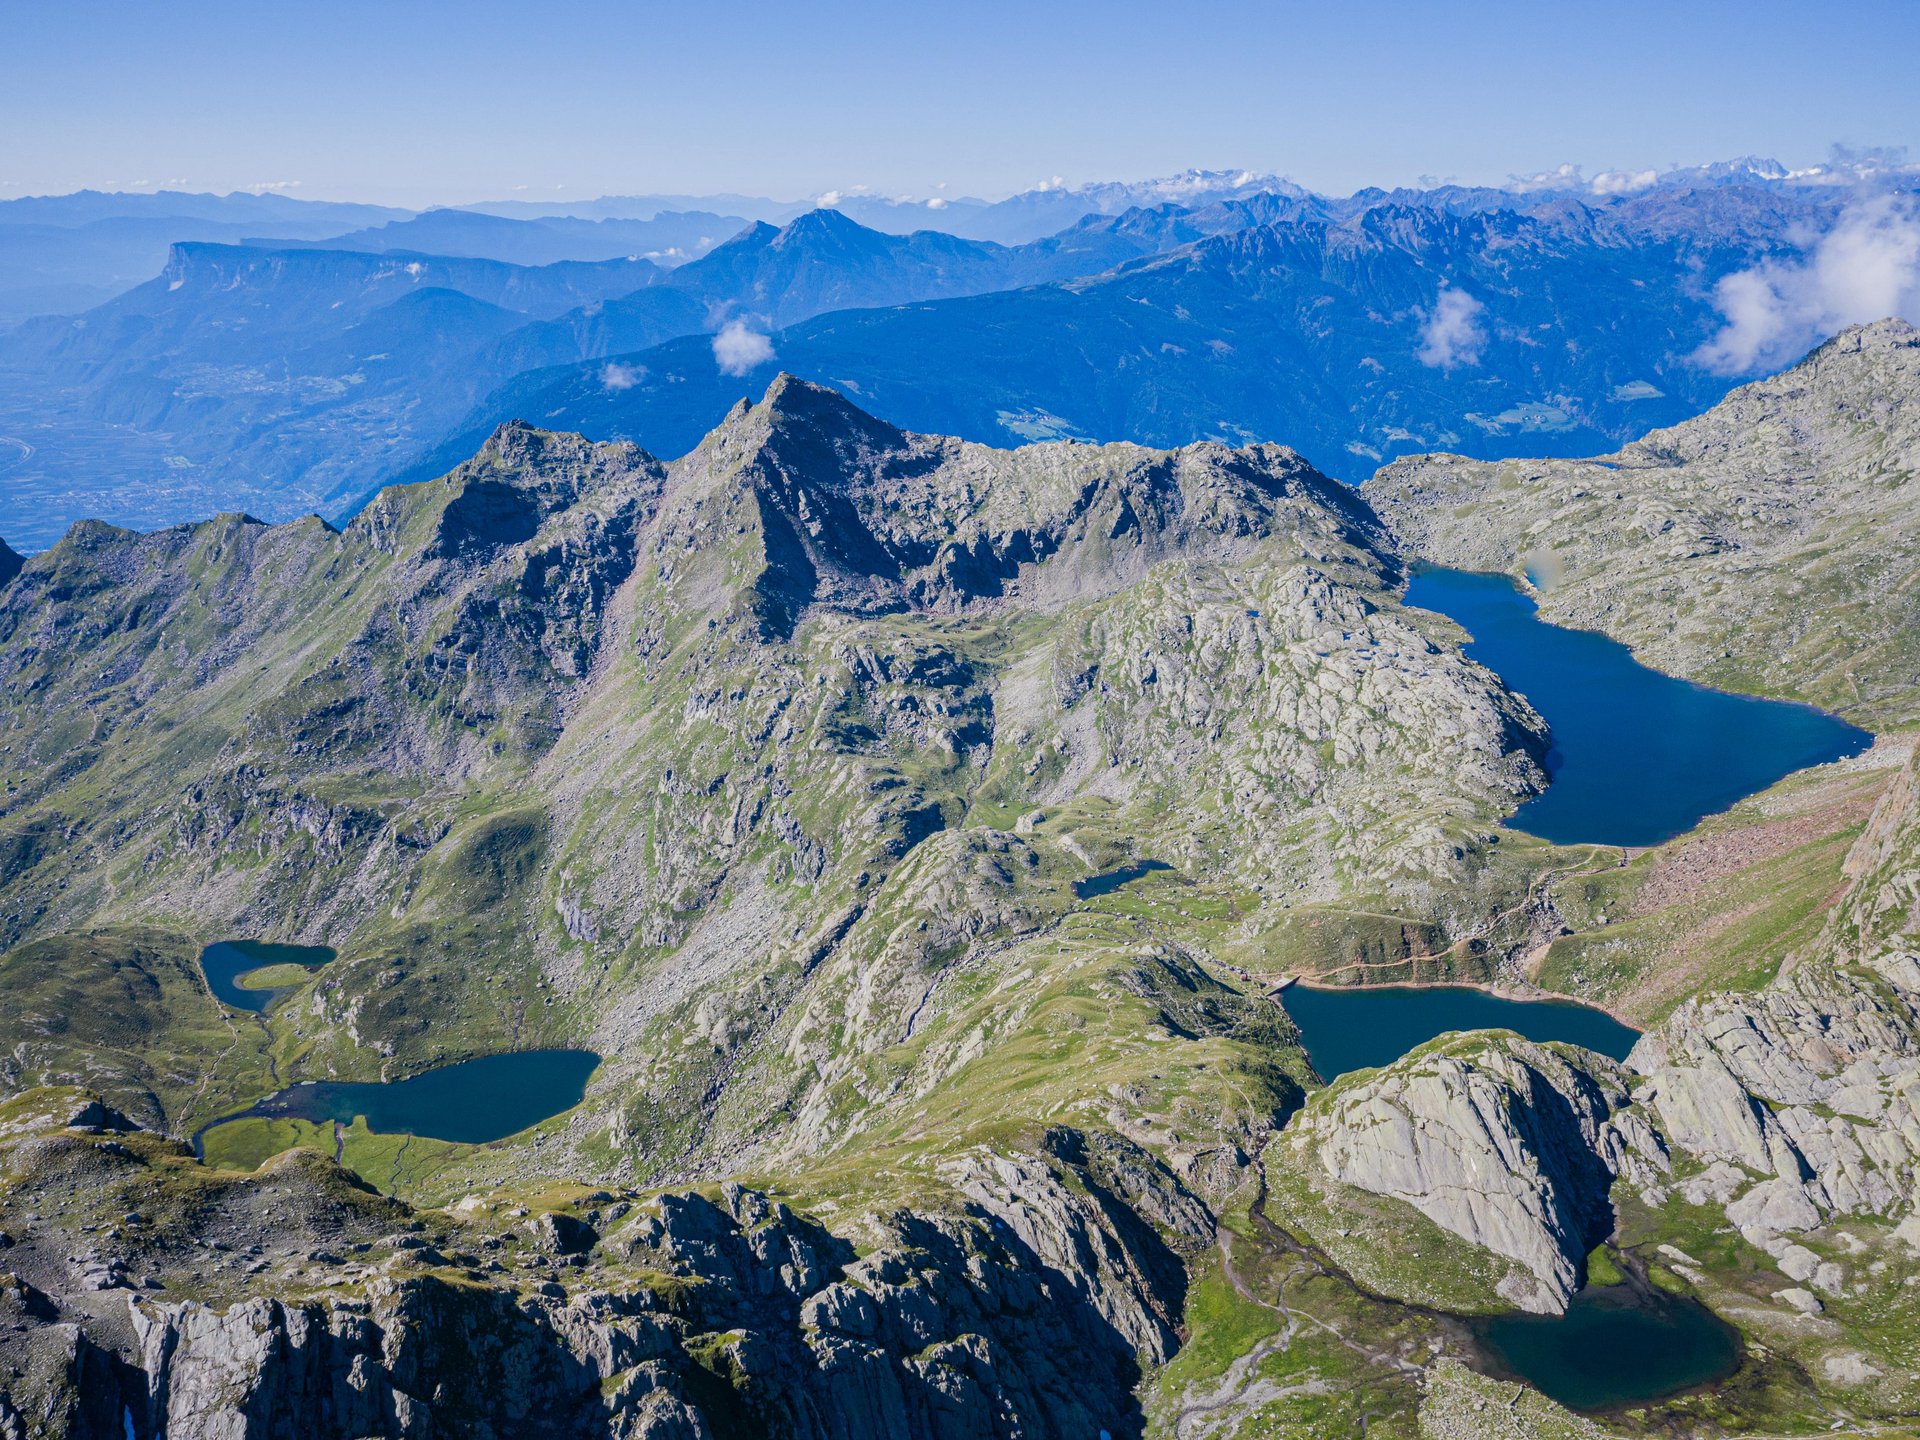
[[471, 1102], [1637, 757]]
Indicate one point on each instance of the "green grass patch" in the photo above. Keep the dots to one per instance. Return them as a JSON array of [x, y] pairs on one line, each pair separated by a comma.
[[274, 977], [1602, 1268]]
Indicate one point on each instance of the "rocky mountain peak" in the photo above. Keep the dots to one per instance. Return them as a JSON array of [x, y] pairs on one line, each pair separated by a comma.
[[823, 222], [10, 562], [520, 447], [1890, 334], [800, 411]]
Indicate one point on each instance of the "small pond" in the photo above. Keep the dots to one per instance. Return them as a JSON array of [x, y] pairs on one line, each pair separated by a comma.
[[472, 1102], [1617, 1345], [1359, 1026], [1113, 880], [1637, 757], [226, 961]]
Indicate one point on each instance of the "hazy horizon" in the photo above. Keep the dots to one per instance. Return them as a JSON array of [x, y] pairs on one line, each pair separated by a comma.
[[1570, 175], [435, 104]]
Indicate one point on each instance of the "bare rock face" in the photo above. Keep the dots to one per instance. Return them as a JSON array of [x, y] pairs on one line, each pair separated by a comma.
[[1509, 1145], [1813, 1084], [58, 1382], [1811, 1087], [1790, 1106], [1031, 1315]]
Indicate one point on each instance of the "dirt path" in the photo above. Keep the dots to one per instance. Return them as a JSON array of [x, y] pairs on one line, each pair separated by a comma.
[[1578, 869]]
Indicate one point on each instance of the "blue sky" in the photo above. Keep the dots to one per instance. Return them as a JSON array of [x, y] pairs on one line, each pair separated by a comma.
[[433, 102]]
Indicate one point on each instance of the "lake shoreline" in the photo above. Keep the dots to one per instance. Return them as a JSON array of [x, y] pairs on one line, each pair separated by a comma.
[[1521, 994], [1635, 757], [516, 1090], [1344, 1028]]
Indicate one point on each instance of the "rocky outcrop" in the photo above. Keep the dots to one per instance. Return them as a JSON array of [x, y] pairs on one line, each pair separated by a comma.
[[1028, 1301], [58, 1384], [1807, 1093], [1789, 1107], [755, 1321], [1813, 1084], [1509, 1145]]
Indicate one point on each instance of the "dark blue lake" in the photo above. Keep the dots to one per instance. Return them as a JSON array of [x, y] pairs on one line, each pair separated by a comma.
[[473, 1102], [1114, 880], [1355, 1027], [226, 961], [1616, 1346], [1638, 757]]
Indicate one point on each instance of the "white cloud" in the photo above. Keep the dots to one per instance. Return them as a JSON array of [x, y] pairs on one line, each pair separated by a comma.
[[1451, 333], [1637, 390], [1866, 268], [260, 187], [616, 376], [827, 199], [736, 349], [1623, 182], [1561, 177]]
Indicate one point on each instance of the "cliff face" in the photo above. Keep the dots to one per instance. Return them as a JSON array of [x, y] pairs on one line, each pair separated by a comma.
[[756, 1322], [1788, 1111], [1511, 1146], [1031, 1308]]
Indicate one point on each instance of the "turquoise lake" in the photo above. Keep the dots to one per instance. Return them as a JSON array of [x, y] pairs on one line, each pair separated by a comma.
[[472, 1102], [1359, 1026], [1637, 757], [1617, 1345], [226, 961]]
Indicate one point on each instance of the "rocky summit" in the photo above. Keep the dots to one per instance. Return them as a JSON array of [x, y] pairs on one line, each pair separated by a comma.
[[922, 838]]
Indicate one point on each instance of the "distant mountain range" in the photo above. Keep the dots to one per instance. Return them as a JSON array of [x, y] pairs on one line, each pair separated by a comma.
[[1554, 316], [286, 379], [1403, 329], [670, 238], [63, 253]]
